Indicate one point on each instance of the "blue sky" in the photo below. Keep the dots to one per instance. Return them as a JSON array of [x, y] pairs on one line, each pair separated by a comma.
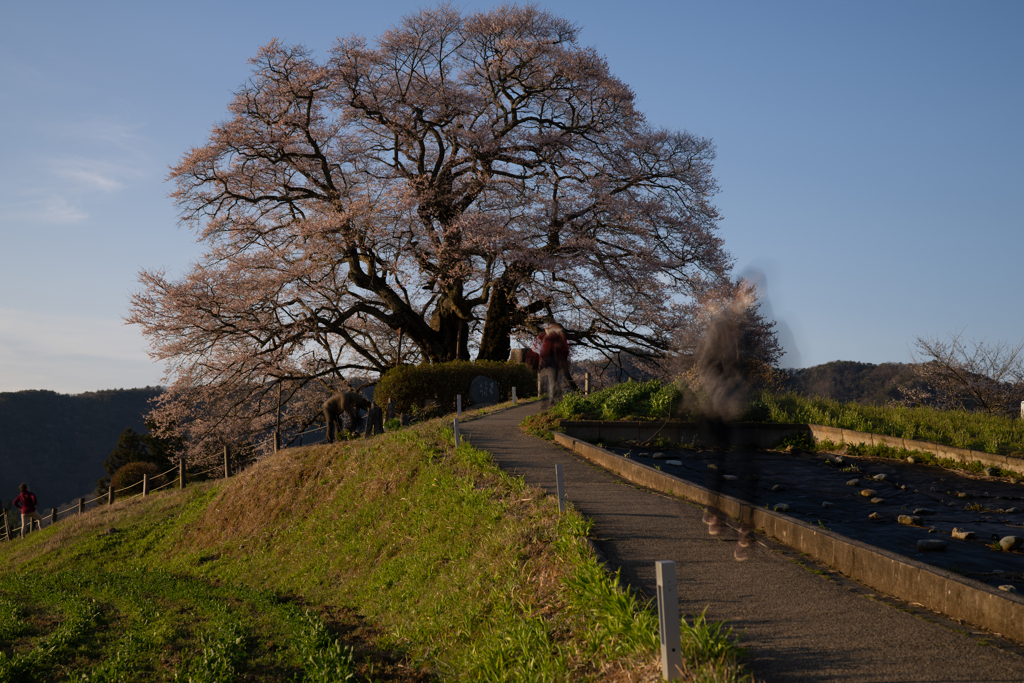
[[870, 155]]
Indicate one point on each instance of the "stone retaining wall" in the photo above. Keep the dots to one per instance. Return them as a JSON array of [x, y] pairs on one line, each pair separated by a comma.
[[767, 435], [896, 575]]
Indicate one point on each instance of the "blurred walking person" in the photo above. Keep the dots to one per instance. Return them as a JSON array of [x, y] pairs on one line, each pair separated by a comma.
[[554, 361], [27, 503], [724, 388]]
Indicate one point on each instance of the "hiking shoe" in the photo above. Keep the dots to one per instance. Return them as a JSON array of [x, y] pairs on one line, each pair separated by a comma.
[[715, 525], [743, 544]]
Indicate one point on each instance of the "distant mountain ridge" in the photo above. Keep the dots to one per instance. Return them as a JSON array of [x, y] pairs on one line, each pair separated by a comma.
[[57, 443], [846, 380]]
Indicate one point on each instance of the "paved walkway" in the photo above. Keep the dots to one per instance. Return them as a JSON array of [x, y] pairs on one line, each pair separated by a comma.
[[798, 626]]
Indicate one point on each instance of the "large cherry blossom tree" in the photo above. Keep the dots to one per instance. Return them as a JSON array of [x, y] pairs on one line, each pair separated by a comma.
[[435, 194]]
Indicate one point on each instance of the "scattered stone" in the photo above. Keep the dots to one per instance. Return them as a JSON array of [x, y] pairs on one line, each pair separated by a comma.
[[961, 495], [1011, 542], [879, 477], [838, 460], [867, 493], [875, 516], [877, 501], [781, 507], [853, 482], [931, 544], [643, 455], [1009, 588], [712, 466], [963, 534], [778, 487], [679, 463], [1012, 511], [827, 504], [909, 520], [991, 471], [911, 460], [658, 456], [923, 511]]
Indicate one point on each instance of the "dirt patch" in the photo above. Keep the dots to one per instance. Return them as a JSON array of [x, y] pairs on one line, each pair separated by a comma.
[[941, 499]]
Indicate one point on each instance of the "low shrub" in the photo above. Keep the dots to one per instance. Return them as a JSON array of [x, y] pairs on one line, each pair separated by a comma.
[[630, 400], [411, 386], [131, 475]]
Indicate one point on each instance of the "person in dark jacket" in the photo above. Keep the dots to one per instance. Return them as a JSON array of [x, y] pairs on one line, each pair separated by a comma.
[[27, 503]]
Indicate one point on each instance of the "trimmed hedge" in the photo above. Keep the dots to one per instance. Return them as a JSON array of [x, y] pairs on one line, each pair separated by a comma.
[[410, 386]]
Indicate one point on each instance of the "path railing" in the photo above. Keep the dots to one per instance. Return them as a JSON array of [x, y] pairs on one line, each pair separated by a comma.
[[9, 529]]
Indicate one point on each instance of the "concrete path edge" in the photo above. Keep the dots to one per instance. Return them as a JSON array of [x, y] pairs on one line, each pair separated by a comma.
[[901, 577]]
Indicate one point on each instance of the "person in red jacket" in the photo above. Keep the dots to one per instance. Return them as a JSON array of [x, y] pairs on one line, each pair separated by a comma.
[[553, 352], [27, 503]]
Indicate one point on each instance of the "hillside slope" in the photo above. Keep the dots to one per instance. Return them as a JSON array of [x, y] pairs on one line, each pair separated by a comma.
[[57, 443], [395, 558]]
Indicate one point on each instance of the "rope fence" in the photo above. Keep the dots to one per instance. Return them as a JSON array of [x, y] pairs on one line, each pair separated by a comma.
[[9, 531]]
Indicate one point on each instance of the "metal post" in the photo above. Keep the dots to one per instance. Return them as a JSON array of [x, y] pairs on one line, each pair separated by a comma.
[[560, 487], [181, 473], [455, 428], [586, 384], [81, 505], [515, 402], [145, 485], [458, 406], [227, 461], [668, 620]]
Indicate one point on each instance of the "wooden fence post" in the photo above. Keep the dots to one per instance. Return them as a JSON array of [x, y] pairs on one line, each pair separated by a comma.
[[227, 461], [277, 441], [586, 384], [458, 406], [110, 494], [81, 505], [53, 515], [181, 473], [145, 485]]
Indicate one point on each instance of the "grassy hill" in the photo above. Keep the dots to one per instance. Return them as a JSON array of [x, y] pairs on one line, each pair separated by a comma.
[[57, 443], [395, 558]]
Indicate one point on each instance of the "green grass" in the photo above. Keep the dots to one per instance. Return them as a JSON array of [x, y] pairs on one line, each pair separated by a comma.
[[976, 431], [653, 401], [395, 558]]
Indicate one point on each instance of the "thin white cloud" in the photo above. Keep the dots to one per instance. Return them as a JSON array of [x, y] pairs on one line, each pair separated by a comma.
[[49, 210], [92, 174], [71, 353]]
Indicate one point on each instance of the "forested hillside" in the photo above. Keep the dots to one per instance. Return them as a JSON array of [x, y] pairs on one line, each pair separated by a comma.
[[57, 443], [846, 380]]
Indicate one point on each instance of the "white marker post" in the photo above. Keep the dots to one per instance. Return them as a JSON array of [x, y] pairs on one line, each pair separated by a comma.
[[455, 428], [516, 402], [586, 384], [560, 487], [458, 406], [668, 620]]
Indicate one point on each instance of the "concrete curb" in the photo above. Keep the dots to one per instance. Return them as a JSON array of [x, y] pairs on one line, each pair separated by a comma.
[[767, 435], [896, 575]]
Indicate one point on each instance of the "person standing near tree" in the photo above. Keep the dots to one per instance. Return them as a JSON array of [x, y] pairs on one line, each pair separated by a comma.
[[553, 349], [27, 503]]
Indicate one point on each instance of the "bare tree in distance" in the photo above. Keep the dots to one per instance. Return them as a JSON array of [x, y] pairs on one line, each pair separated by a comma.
[[452, 186], [972, 375]]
